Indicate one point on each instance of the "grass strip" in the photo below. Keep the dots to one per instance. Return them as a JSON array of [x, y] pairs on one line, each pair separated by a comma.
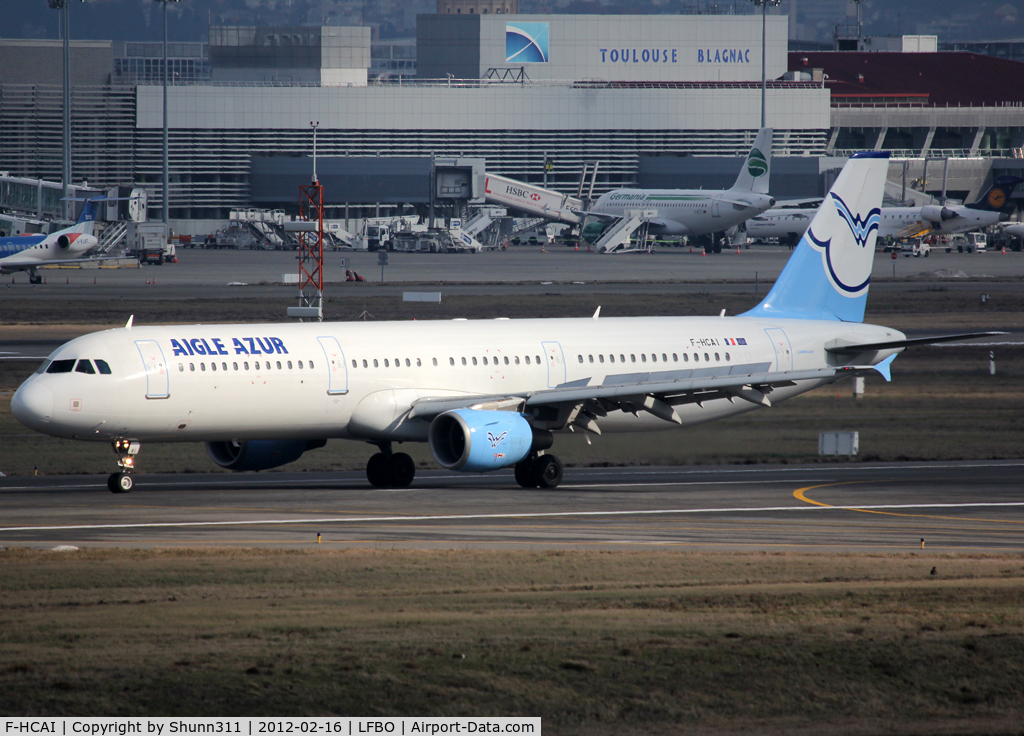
[[592, 642]]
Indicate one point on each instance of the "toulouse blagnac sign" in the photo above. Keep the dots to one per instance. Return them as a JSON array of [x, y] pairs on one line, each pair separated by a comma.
[[671, 56], [530, 43]]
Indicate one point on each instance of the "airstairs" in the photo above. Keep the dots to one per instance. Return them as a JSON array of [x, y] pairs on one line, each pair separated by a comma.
[[526, 225], [616, 238], [111, 237]]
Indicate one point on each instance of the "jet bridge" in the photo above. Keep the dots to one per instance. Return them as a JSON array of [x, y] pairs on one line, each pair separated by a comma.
[[532, 200]]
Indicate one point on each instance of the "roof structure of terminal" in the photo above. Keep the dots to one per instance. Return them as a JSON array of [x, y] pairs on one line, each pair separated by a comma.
[[953, 79]]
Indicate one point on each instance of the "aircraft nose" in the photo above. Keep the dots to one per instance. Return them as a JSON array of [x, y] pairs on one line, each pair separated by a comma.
[[32, 405]]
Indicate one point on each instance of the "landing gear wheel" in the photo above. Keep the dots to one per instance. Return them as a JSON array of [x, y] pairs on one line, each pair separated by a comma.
[[377, 468], [524, 473], [120, 483], [35, 279], [547, 471], [403, 470]]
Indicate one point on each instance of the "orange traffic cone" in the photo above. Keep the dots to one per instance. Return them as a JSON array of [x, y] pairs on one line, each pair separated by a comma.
[[577, 248], [1004, 250], [737, 250]]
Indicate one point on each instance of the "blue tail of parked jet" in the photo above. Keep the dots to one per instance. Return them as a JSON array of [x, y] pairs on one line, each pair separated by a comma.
[[828, 274], [998, 195], [89, 210]]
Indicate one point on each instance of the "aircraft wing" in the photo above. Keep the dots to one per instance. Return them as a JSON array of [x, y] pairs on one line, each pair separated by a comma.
[[598, 215], [655, 392], [12, 266]]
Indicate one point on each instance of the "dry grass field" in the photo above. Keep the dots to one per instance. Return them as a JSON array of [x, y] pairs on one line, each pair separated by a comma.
[[594, 643]]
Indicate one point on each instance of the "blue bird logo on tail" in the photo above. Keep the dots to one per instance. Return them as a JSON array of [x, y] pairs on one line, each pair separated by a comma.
[[861, 228]]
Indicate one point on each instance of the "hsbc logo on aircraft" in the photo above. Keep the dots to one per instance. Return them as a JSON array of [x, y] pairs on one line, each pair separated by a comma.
[[535, 197]]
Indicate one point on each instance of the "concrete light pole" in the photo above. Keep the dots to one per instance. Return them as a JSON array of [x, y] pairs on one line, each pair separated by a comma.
[[65, 32], [764, 22], [167, 176]]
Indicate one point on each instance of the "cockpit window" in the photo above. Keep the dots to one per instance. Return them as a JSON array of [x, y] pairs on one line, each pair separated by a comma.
[[61, 366], [85, 366], [102, 367]]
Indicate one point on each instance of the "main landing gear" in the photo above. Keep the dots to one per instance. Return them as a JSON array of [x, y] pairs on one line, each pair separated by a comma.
[[539, 471], [121, 481], [386, 469]]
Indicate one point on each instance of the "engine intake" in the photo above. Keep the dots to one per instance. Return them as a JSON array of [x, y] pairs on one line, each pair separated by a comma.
[[937, 214], [63, 242], [476, 440], [259, 454]]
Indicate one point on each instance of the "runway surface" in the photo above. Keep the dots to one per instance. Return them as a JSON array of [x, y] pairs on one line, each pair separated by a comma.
[[966, 507], [523, 270]]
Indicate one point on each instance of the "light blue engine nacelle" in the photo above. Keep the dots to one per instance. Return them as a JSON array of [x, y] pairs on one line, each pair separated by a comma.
[[475, 441], [259, 454]]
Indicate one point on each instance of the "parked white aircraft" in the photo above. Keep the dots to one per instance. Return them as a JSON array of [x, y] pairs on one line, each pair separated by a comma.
[[28, 252], [697, 211], [789, 224], [485, 394], [1016, 231]]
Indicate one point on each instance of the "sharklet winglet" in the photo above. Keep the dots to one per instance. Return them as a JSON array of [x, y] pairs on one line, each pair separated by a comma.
[[885, 367]]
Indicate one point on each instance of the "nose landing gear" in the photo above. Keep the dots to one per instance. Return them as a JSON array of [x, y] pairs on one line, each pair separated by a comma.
[[122, 481]]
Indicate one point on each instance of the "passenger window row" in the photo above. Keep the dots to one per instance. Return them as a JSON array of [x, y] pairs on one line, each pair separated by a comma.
[[266, 365], [654, 358], [408, 363]]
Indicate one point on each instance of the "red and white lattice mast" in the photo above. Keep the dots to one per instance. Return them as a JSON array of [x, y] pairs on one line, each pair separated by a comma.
[[310, 229]]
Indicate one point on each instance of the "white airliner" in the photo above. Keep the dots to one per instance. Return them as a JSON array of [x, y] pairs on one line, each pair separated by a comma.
[[485, 394], [1016, 231], [29, 252], [789, 224], [698, 211]]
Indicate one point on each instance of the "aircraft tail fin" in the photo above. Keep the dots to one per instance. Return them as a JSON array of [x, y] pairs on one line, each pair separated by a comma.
[[88, 212], [828, 274], [757, 168], [998, 195]]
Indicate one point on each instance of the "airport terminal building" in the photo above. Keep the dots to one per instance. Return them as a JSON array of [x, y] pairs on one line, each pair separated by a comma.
[[638, 94], [515, 90]]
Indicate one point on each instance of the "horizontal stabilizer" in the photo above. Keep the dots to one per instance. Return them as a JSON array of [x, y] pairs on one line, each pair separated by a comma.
[[864, 347]]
